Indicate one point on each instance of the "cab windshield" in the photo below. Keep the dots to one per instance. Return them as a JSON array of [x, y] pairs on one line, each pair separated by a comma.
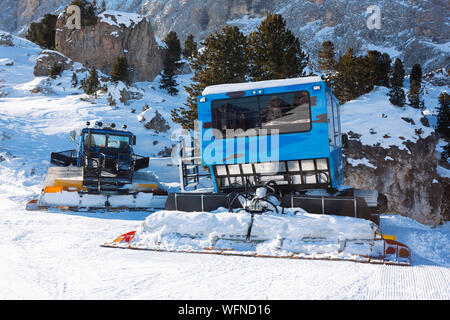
[[110, 141]]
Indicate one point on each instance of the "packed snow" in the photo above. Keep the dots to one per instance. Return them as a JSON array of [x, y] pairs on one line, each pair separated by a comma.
[[222, 88], [56, 255], [118, 18], [381, 123]]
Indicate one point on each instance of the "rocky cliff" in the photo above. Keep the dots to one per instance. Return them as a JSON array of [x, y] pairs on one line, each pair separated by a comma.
[[115, 34], [416, 31], [395, 151], [407, 178]]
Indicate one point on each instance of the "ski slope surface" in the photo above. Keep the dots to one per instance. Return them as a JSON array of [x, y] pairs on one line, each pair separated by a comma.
[[56, 255]]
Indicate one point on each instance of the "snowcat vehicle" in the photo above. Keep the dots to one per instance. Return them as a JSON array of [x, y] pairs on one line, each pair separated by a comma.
[[274, 152], [102, 174]]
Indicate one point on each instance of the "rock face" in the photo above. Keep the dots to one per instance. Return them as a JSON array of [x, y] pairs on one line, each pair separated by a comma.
[[115, 34], [407, 179], [6, 39], [415, 31], [16, 16], [47, 59]]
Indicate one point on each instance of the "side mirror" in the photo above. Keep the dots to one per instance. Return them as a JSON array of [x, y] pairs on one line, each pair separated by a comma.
[[134, 140], [73, 135]]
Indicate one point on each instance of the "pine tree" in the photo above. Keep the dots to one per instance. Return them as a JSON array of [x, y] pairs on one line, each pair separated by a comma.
[[190, 47], [74, 80], [223, 60], [91, 84], [352, 78], [55, 70], [396, 94], [398, 74], [43, 32], [415, 95], [171, 62], [274, 51], [443, 118], [379, 68], [327, 62], [119, 70], [416, 74]]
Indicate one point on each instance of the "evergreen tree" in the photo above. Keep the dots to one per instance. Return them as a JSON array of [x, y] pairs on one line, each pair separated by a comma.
[[327, 62], [43, 32], [415, 95], [91, 84], [119, 70], [55, 70], [396, 94], [274, 51], [379, 68], [352, 77], [190, 47], [443, 123], [74, 80], [223, 60], [416, 92], [398, 74], [416, 74], [171, 62]]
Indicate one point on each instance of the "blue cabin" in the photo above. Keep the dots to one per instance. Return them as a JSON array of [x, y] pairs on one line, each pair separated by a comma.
[[287, 131]]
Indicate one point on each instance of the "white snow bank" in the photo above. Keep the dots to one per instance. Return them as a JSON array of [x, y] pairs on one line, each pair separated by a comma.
[[223, 88], [363, 161], [73, 199], [117, 18], [267, 227], [391, 51], [380, 123]]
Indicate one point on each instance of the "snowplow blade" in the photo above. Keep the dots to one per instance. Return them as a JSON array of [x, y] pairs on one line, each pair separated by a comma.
[[290, 235], [63, 188]]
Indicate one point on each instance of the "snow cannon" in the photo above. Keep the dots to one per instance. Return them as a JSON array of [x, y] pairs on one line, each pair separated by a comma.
[[103, 173]]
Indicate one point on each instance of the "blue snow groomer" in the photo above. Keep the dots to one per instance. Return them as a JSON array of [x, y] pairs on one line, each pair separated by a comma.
[[286, 131], [285, 134]]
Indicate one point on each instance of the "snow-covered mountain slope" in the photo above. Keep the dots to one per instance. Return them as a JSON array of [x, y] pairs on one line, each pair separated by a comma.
[[415, 31], [56, 255]]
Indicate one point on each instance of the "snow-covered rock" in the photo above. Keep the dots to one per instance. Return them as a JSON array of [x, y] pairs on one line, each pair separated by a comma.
[[49, 58], [393, 150]]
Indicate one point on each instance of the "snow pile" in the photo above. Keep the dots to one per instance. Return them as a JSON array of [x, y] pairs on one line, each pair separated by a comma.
[[118, 18], [378, 122], [363, 161], [274, 233], [224, 88], [429, 245]]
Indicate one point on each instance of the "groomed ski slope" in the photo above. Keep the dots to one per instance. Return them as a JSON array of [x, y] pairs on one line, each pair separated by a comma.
[[56, 255]]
